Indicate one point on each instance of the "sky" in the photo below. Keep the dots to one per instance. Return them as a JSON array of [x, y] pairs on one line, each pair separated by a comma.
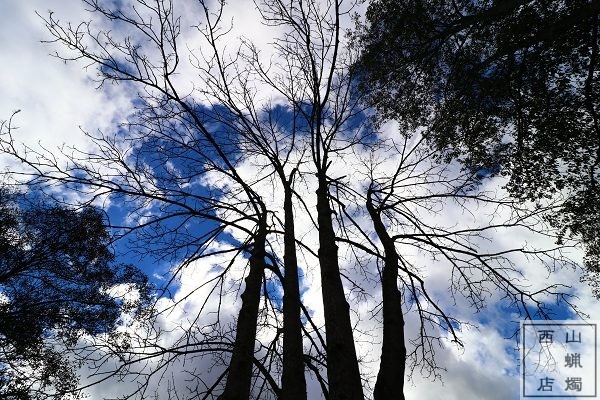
[[58, 101]]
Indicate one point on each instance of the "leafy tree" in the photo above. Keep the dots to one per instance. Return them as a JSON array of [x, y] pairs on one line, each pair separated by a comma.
[[506, 86], [57, 282]]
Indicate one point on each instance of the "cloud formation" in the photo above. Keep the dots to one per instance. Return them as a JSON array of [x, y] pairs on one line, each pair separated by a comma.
[[56, 98]]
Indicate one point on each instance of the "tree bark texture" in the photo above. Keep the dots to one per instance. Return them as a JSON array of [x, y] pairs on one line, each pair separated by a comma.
[[239, 379], [293, 381], [390, 379], [342, 365]]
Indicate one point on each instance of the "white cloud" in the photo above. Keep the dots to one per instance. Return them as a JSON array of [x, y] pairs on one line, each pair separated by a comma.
[[56, 98]]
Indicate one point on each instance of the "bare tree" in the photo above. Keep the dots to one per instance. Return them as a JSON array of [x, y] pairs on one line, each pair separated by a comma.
[[179, 162], [158, 164], [406, 187]]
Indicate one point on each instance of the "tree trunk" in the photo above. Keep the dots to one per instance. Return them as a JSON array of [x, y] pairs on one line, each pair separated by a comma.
[[293, 382], [390, 379], [239, 379], [342, 365]]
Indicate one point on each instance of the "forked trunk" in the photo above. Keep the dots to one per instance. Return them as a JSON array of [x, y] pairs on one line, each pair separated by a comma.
[[390, 379]]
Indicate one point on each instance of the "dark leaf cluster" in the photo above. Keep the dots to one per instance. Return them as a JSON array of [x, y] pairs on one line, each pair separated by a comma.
[[511, 84], [57, 281]]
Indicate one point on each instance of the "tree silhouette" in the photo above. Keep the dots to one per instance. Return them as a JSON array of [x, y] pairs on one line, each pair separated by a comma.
[[228, 166], [57, 279], [510, 87]]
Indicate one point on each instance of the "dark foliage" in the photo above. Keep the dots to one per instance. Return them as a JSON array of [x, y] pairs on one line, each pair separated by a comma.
[[56, 275], [511, 84]]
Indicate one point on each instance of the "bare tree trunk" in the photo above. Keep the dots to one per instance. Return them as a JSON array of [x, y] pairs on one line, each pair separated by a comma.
[[390, 379], [342, 365], [293, 381], [239, 379]]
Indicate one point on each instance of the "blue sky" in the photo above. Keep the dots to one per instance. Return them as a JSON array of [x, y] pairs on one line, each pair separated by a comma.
[[58, 100]]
